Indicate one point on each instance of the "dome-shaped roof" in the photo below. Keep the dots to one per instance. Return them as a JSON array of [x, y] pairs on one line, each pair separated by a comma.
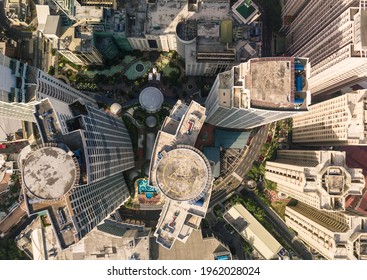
[[151, 121], [116, 108], [151, 99]]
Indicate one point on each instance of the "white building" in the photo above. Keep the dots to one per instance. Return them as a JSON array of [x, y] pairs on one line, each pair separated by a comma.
[[182, 173], [320, 179], [332, 35], [253, 232], [258, 92], [77, 45]]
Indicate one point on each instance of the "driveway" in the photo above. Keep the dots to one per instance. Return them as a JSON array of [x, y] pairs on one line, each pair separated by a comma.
[[233, 180]]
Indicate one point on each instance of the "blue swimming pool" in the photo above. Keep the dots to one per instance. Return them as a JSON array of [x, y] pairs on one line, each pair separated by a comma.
[[143, 187]]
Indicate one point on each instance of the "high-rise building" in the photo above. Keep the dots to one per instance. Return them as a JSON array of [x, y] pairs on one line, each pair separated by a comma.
[[211, 37], [253, 232], [77, 44], [258, 92], [304, 21], [181, 173], [337, 121], [320, 179], [332, 35], [72, 167], [335, 235]]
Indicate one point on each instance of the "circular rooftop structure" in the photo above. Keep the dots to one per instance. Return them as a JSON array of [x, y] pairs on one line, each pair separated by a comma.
[[115, 108], [151, 99], [151, 121], [184, 174], [50, 172], [186, 30]]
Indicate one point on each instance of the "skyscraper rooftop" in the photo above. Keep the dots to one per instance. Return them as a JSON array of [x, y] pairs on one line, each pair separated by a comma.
[[182, 173], [258, 92]]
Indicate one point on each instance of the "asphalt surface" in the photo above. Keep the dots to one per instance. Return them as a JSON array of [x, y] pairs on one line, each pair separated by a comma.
[[267, 34], [280, 227], [231, 182], [233, 240]]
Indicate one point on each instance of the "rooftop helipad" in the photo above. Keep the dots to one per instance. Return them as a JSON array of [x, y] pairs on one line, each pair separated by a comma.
[[183, 174], [49, 172]]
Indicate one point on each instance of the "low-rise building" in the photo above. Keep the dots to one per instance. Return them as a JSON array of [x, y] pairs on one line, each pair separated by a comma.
[[108, 241], [253, 232], [77, 45], [211, 36]]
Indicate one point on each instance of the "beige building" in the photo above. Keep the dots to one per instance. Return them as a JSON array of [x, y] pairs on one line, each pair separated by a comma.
[[211, 36], [337, 121], [320, 179], [253, 232], [308, 20], [335, 235], [340, 58], [77, 45]]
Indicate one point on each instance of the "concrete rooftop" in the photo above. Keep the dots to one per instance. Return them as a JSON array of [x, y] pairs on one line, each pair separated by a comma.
[[182, 174], [271, 81], [49, 172], [196, 248], [164, 16]]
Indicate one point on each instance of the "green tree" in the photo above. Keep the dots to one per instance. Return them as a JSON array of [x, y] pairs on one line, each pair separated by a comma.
[[10, 251], [51, 71], [236, 199], [100, 79]]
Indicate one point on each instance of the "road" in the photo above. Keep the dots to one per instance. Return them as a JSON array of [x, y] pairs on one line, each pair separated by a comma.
[[280, 227], [232, 181], [267, 33]]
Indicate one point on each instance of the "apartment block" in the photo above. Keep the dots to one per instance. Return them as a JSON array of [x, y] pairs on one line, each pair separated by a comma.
[[310, 20], [335, 235], [332, 35], [320, 179], [337, 121]]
